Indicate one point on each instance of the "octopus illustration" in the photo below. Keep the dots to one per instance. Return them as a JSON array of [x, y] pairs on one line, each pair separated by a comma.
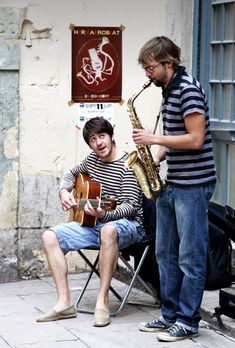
[[97, 65]]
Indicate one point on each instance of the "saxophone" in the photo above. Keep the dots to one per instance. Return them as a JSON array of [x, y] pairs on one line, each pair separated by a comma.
[[144, 167]]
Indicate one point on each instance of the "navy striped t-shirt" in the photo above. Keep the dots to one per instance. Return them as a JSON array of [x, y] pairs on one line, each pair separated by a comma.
[[187, 167]]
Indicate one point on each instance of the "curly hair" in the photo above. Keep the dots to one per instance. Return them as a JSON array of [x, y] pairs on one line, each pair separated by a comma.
[[97, 125]]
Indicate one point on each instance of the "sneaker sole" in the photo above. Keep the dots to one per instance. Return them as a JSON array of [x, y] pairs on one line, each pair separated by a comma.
[[174, 339], [148, 329]]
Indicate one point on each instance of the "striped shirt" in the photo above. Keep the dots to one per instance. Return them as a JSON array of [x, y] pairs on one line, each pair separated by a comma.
[[187, 167], [115, 180]]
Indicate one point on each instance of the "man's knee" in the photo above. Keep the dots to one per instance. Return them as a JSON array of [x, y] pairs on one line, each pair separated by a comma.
[[49, 239], [108, 235]]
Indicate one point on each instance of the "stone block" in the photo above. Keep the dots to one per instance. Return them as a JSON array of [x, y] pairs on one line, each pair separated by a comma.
[[9, 93], [75, 262], [8, 252], [39, 204], [10, 19], [10, 55], [32, 262], [31, 258]]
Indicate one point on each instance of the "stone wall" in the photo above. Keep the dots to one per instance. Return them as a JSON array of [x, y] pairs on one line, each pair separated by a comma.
[[28, 204], [9, 130]]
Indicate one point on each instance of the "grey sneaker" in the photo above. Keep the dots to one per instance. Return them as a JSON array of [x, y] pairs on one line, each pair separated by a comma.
[[176, 333], [153, 326]]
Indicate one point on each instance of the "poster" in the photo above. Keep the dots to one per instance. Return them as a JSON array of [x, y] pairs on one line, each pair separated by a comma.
[[96, 64], [86, 111]]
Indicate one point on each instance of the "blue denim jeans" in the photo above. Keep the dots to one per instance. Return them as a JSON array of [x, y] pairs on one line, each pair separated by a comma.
[[181, 251]]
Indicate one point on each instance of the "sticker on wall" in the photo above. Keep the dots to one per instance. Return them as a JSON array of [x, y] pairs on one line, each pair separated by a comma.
[[96, 64], [86, 111]]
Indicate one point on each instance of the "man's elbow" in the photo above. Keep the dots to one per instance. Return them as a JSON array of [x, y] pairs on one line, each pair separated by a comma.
[[198, 143]]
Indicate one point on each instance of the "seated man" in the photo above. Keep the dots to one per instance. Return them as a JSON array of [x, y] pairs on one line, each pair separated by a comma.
[[114, 229]]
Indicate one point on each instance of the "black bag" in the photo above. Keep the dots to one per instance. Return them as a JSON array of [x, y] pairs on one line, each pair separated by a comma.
[[226, 304], [223, 217], [149, 270], [219, 259]]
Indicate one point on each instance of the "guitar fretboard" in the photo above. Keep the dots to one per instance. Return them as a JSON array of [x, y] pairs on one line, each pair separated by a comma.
[[94, 202]]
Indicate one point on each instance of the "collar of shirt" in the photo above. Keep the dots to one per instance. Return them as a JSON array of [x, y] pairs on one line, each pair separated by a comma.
[[174, 83]]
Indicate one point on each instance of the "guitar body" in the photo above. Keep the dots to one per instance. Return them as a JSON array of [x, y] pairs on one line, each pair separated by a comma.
[[85, 189]]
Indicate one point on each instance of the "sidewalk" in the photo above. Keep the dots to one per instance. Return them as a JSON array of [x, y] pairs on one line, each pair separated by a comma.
[[23, 301]]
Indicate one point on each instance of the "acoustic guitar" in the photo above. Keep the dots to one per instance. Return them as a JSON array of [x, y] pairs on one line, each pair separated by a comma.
[[87, 189]]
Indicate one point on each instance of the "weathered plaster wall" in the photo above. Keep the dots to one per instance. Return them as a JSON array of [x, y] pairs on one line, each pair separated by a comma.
[[39, 140], [45, 83], [179, 27]]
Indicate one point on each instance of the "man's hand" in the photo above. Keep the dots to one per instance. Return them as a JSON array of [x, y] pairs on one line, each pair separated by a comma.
[[96, 212], [67, 200], [143, 136]]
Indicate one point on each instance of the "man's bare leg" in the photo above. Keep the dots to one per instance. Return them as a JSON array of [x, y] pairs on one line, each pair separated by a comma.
[[59, 268], [107, 264]]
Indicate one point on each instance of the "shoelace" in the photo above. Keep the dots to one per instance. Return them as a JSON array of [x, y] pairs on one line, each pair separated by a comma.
[[176, 328], [153, 321]]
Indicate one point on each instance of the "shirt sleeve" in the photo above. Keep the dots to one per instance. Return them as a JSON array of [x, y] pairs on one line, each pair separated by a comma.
[[192, 100], [69, 179]]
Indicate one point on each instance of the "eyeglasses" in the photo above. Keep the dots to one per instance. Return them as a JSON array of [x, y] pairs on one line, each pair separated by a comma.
[[151, 68]]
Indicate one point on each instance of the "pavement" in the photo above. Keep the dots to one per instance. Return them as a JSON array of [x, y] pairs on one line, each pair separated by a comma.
[[22, 302]]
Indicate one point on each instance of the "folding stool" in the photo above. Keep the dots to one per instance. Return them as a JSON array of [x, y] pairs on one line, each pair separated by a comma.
[[140, 251], [143, 245]]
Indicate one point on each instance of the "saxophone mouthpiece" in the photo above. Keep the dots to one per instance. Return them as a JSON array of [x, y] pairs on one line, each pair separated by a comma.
[[147, 84]]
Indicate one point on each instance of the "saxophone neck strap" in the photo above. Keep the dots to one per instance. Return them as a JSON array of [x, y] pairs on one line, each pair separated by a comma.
[[158, 118]]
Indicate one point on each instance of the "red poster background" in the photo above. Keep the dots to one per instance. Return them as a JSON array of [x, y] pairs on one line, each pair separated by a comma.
[[96, 64]]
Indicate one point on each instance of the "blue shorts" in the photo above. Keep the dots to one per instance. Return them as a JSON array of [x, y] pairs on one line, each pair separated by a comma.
[[72, 236]]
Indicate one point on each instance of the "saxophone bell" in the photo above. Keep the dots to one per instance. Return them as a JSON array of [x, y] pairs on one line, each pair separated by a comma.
[[133, 162]]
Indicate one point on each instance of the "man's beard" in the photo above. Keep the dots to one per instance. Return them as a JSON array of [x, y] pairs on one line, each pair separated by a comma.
[[158, 83], [163, 79]]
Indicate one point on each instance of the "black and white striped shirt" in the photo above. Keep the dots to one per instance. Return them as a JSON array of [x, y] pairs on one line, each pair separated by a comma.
[[116, 180], [187, 167]]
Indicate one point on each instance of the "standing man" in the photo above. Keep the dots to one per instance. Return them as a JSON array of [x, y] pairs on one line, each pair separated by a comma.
[[182, 222], [114, 230]]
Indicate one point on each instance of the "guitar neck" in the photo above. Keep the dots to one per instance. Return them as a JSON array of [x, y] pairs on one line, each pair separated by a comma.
[[94, 202]]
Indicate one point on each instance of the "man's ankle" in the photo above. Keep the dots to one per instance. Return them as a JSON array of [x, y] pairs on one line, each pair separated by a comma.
[[101, 304]]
